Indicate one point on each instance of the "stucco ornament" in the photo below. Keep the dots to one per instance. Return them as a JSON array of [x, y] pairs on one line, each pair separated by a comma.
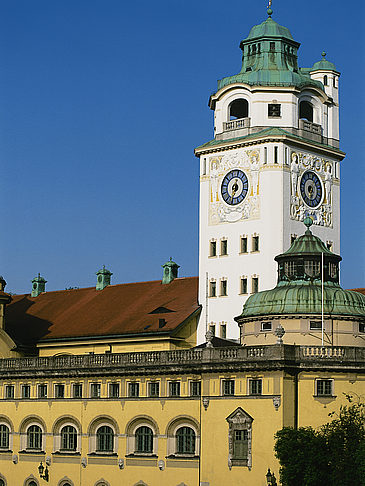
[[276, 402], [234, 187], [320, 170]]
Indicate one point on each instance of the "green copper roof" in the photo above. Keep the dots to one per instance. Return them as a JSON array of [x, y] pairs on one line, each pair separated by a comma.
[[266, 132], [305, 298], [270, 59], [269, 28], [299, 288], [323, 64]]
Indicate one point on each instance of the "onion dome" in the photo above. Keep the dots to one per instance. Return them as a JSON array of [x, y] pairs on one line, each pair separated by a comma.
[[299, 287], [323, 64], [269, 28]]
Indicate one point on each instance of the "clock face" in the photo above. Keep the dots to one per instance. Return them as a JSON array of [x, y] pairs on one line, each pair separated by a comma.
[[234, 187], [311, 189]]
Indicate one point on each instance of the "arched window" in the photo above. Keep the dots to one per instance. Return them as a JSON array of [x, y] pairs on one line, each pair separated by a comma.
[[4, 437], [238, 109], [325, 80], [306, 110], [68, 438], [34, 437], [32, 483], [2, 482], [185, 440], [104, 439], [144, 439]]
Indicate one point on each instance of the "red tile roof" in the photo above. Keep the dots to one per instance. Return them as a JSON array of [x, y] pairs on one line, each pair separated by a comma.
[[362, 291], [116, 310]]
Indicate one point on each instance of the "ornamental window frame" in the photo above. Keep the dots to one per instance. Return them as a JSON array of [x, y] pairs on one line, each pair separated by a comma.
[[328, 387], [239, 424], [94, 433], [137, 423]]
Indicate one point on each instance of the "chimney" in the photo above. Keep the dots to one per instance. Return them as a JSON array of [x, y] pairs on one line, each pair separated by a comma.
[[38, 285], [103, 278], [170, 270]]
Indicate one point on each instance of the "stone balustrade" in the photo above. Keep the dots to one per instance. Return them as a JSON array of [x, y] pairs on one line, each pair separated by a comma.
[[134, 362]]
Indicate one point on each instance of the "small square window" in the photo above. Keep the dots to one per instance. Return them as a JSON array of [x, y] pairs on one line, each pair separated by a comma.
[[195, 388], [255, 243], [361, 326], [77, 390], [274, 110], [255, 285], [266, 326], [223, 331], [114, 390], [42, 391], [255, 386], [223, 287], [243, 244], [228, 387], [224, 247], [95, 390], [174, 389], [133, 389], [243, 285], [324, 388], [315, 325], [213, 248], [59, 391], [25, 391], [213, 289], [9, 391], [154, 389]]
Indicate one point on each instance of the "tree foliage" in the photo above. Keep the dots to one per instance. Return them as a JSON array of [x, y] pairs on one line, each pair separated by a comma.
[[334, 454]]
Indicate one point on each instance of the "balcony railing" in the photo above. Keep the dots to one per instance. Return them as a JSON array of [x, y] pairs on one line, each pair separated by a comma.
[[236, 124], [310, 127], [132, 362]]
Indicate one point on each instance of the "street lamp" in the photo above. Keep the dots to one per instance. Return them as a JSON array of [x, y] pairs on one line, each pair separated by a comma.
[[43, 472], [270, 478]]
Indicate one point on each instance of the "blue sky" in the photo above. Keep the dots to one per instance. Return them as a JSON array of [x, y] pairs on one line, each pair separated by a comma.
[[101, 105]]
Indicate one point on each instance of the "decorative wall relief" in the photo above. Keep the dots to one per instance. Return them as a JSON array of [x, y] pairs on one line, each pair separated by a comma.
[[234, 186], [311, 188]]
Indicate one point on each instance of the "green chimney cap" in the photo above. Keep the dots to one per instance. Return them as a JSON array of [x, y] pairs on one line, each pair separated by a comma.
[[170, 271], [104, 278]]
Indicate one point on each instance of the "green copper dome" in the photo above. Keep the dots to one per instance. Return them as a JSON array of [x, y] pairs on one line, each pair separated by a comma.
[[270, 58], [269, 28], [299, 287], [323, 64]]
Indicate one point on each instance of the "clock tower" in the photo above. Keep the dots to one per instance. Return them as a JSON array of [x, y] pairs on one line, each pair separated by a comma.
[[274, 161]]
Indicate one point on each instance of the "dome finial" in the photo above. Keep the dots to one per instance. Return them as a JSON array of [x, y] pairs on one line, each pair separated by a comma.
[[269, 10], [324, 53], [308, 221]]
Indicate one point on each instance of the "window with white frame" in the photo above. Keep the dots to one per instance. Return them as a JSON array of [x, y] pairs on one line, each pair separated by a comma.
[[9, 391], [255, 386], [228, 387], [243, 285], [243, 246], [34, 437], [315, 325], [95, 390], [104, 439], [266, 326], [255, 243], [324, 387], [185, 440], [213, 289], [183, 437], [133, 389], [223, 331], [212, 248], [144, 440], [42, 390], [255, 285], [25, 391], [223, 288], [59, 390], [114, 390], [224, 247], [154, 389], [68, 438], [77, 390], [4, 437], [195, 388], [174, 388]]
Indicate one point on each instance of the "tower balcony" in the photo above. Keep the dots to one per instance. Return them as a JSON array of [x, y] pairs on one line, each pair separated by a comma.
[[237, 124]]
